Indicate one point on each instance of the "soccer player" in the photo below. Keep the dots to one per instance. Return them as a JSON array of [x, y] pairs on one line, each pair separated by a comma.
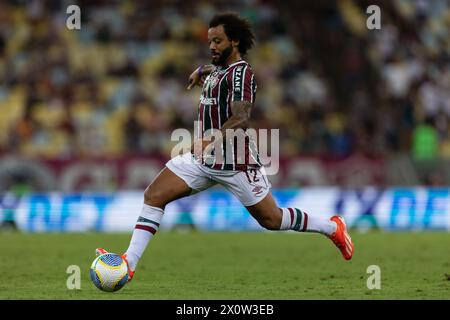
[[228, 94]]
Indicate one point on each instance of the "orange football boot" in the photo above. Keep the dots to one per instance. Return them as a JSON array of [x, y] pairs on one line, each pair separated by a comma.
[[341, 238]]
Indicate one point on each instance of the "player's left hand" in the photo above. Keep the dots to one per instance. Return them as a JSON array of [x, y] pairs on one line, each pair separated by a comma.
[[196, 79], [199, 75]]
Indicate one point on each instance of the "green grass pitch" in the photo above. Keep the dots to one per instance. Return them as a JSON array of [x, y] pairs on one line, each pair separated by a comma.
[[266, 265]]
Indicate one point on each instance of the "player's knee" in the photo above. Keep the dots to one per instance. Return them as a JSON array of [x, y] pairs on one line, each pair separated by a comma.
[[154, 198]]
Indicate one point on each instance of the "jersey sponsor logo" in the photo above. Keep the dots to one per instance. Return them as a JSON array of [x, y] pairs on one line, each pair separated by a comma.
[[238, 79], [207, 101]]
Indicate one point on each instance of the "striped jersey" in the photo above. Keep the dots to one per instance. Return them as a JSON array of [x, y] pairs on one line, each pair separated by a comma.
[[224, 85]]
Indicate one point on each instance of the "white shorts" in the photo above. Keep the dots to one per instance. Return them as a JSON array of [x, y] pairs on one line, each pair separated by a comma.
[[250, 187]]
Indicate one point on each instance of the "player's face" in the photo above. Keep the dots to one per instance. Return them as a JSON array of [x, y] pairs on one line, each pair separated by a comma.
[[219, 44]]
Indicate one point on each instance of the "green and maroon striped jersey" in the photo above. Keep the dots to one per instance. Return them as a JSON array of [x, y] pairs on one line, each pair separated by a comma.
[[224, 85]]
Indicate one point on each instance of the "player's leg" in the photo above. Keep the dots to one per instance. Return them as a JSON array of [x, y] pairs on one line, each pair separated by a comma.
[[271, 217], [253, 190], [181, 177], [165, 188]]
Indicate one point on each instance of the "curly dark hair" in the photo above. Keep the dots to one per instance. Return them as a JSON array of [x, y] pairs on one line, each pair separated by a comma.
[[236, 28]]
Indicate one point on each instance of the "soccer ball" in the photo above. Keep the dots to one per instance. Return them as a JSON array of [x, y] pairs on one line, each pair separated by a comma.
[[109, 272]]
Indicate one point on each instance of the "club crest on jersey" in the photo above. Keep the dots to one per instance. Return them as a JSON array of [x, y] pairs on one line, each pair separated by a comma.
[[211, 82]]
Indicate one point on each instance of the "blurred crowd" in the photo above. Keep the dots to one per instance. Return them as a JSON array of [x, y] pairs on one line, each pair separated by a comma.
[[118, 85]]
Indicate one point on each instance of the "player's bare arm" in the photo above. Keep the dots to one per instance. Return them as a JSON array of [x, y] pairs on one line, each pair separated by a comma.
[[240, 118]]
